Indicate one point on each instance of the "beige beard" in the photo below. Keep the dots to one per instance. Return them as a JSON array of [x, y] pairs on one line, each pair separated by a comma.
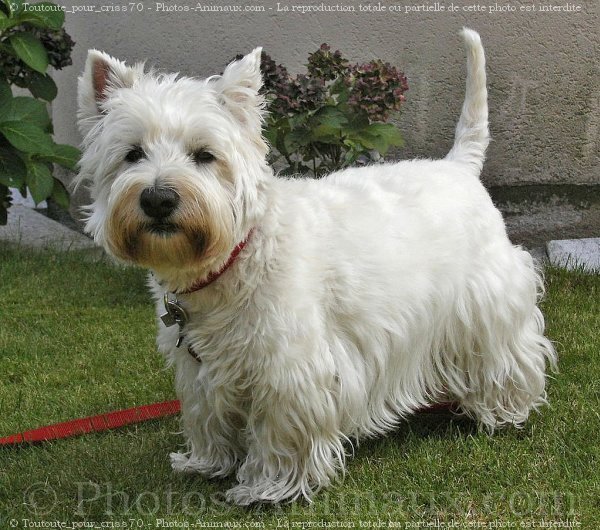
[[196, 238]]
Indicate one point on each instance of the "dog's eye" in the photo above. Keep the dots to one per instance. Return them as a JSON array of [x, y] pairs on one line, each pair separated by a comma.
[[135, 154], [201, 156]]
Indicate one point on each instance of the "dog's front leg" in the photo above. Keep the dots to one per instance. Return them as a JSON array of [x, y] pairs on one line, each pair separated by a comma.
[[212, 422], [293, 434]]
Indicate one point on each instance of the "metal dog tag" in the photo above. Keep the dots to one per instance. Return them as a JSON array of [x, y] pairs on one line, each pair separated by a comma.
[[175, 315], [168, 319]]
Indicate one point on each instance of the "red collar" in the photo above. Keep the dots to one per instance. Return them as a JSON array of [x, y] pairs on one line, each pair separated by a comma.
[[215, 275]]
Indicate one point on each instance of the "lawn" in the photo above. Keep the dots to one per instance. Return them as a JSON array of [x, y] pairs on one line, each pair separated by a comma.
[[77, 339]]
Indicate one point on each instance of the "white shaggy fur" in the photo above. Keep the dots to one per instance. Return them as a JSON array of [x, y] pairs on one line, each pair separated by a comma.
[[358, 299]]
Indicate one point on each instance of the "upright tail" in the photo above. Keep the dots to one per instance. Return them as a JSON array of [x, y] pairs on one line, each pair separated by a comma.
[[472, 134]]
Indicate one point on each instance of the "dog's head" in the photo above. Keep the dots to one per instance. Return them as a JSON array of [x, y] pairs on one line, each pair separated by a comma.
[[174, 164]]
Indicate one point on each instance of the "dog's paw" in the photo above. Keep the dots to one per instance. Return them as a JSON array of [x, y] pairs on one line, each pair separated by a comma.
[[180, 463], [268, 492], [186, 463], [240, 495]]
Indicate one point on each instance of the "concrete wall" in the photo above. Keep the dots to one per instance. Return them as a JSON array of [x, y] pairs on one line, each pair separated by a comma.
[[544, 70]]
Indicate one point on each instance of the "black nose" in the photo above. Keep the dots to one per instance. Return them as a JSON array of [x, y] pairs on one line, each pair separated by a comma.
[[159, 202]]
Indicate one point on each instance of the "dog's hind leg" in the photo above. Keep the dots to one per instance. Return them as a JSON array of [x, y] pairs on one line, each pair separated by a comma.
[[498, 369]]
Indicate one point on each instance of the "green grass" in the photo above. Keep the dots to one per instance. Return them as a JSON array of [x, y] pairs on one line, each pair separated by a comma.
[[77, 339]]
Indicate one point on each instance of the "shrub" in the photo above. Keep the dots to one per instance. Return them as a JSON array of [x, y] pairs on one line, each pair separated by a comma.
[[32, 39], [334, 115]]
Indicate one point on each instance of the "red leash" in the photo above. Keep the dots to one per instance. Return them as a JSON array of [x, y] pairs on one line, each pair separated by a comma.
[[102, 422], [119, 418]]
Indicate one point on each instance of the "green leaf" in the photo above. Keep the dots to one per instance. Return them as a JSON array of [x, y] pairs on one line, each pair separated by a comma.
[[5, 91], [27, 137], [378, 136], [327, 125], [278, 122], [65, 155], [296, 138], [369, 141], [30, 50], [43, 87], [270, 134], [60, 195], [26, 109], [341, 94], [299, 119], [4, 22], [9, 21], [351, 156], [275, 132], [43, 15], [364, 140], [15, 6], [389, 132], [326, 135], [39, 180], [357, 120], [12, 168], [331, 115]]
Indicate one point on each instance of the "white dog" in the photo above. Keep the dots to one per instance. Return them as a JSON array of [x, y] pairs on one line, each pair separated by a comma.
[[303, 313]]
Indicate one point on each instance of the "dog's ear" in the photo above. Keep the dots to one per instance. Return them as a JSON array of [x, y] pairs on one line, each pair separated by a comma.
[[101, 76], [238, 88]]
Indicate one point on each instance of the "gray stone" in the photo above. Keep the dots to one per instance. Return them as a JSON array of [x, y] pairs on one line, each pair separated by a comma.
[[575, 253], [17, 198], [32, 229]]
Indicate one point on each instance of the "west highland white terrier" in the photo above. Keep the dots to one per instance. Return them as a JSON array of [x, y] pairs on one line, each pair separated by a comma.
[[302, 314]]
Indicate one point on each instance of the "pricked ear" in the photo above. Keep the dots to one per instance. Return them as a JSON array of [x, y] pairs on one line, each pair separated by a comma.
[[239, 87], [100, 72], [102, 75]]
